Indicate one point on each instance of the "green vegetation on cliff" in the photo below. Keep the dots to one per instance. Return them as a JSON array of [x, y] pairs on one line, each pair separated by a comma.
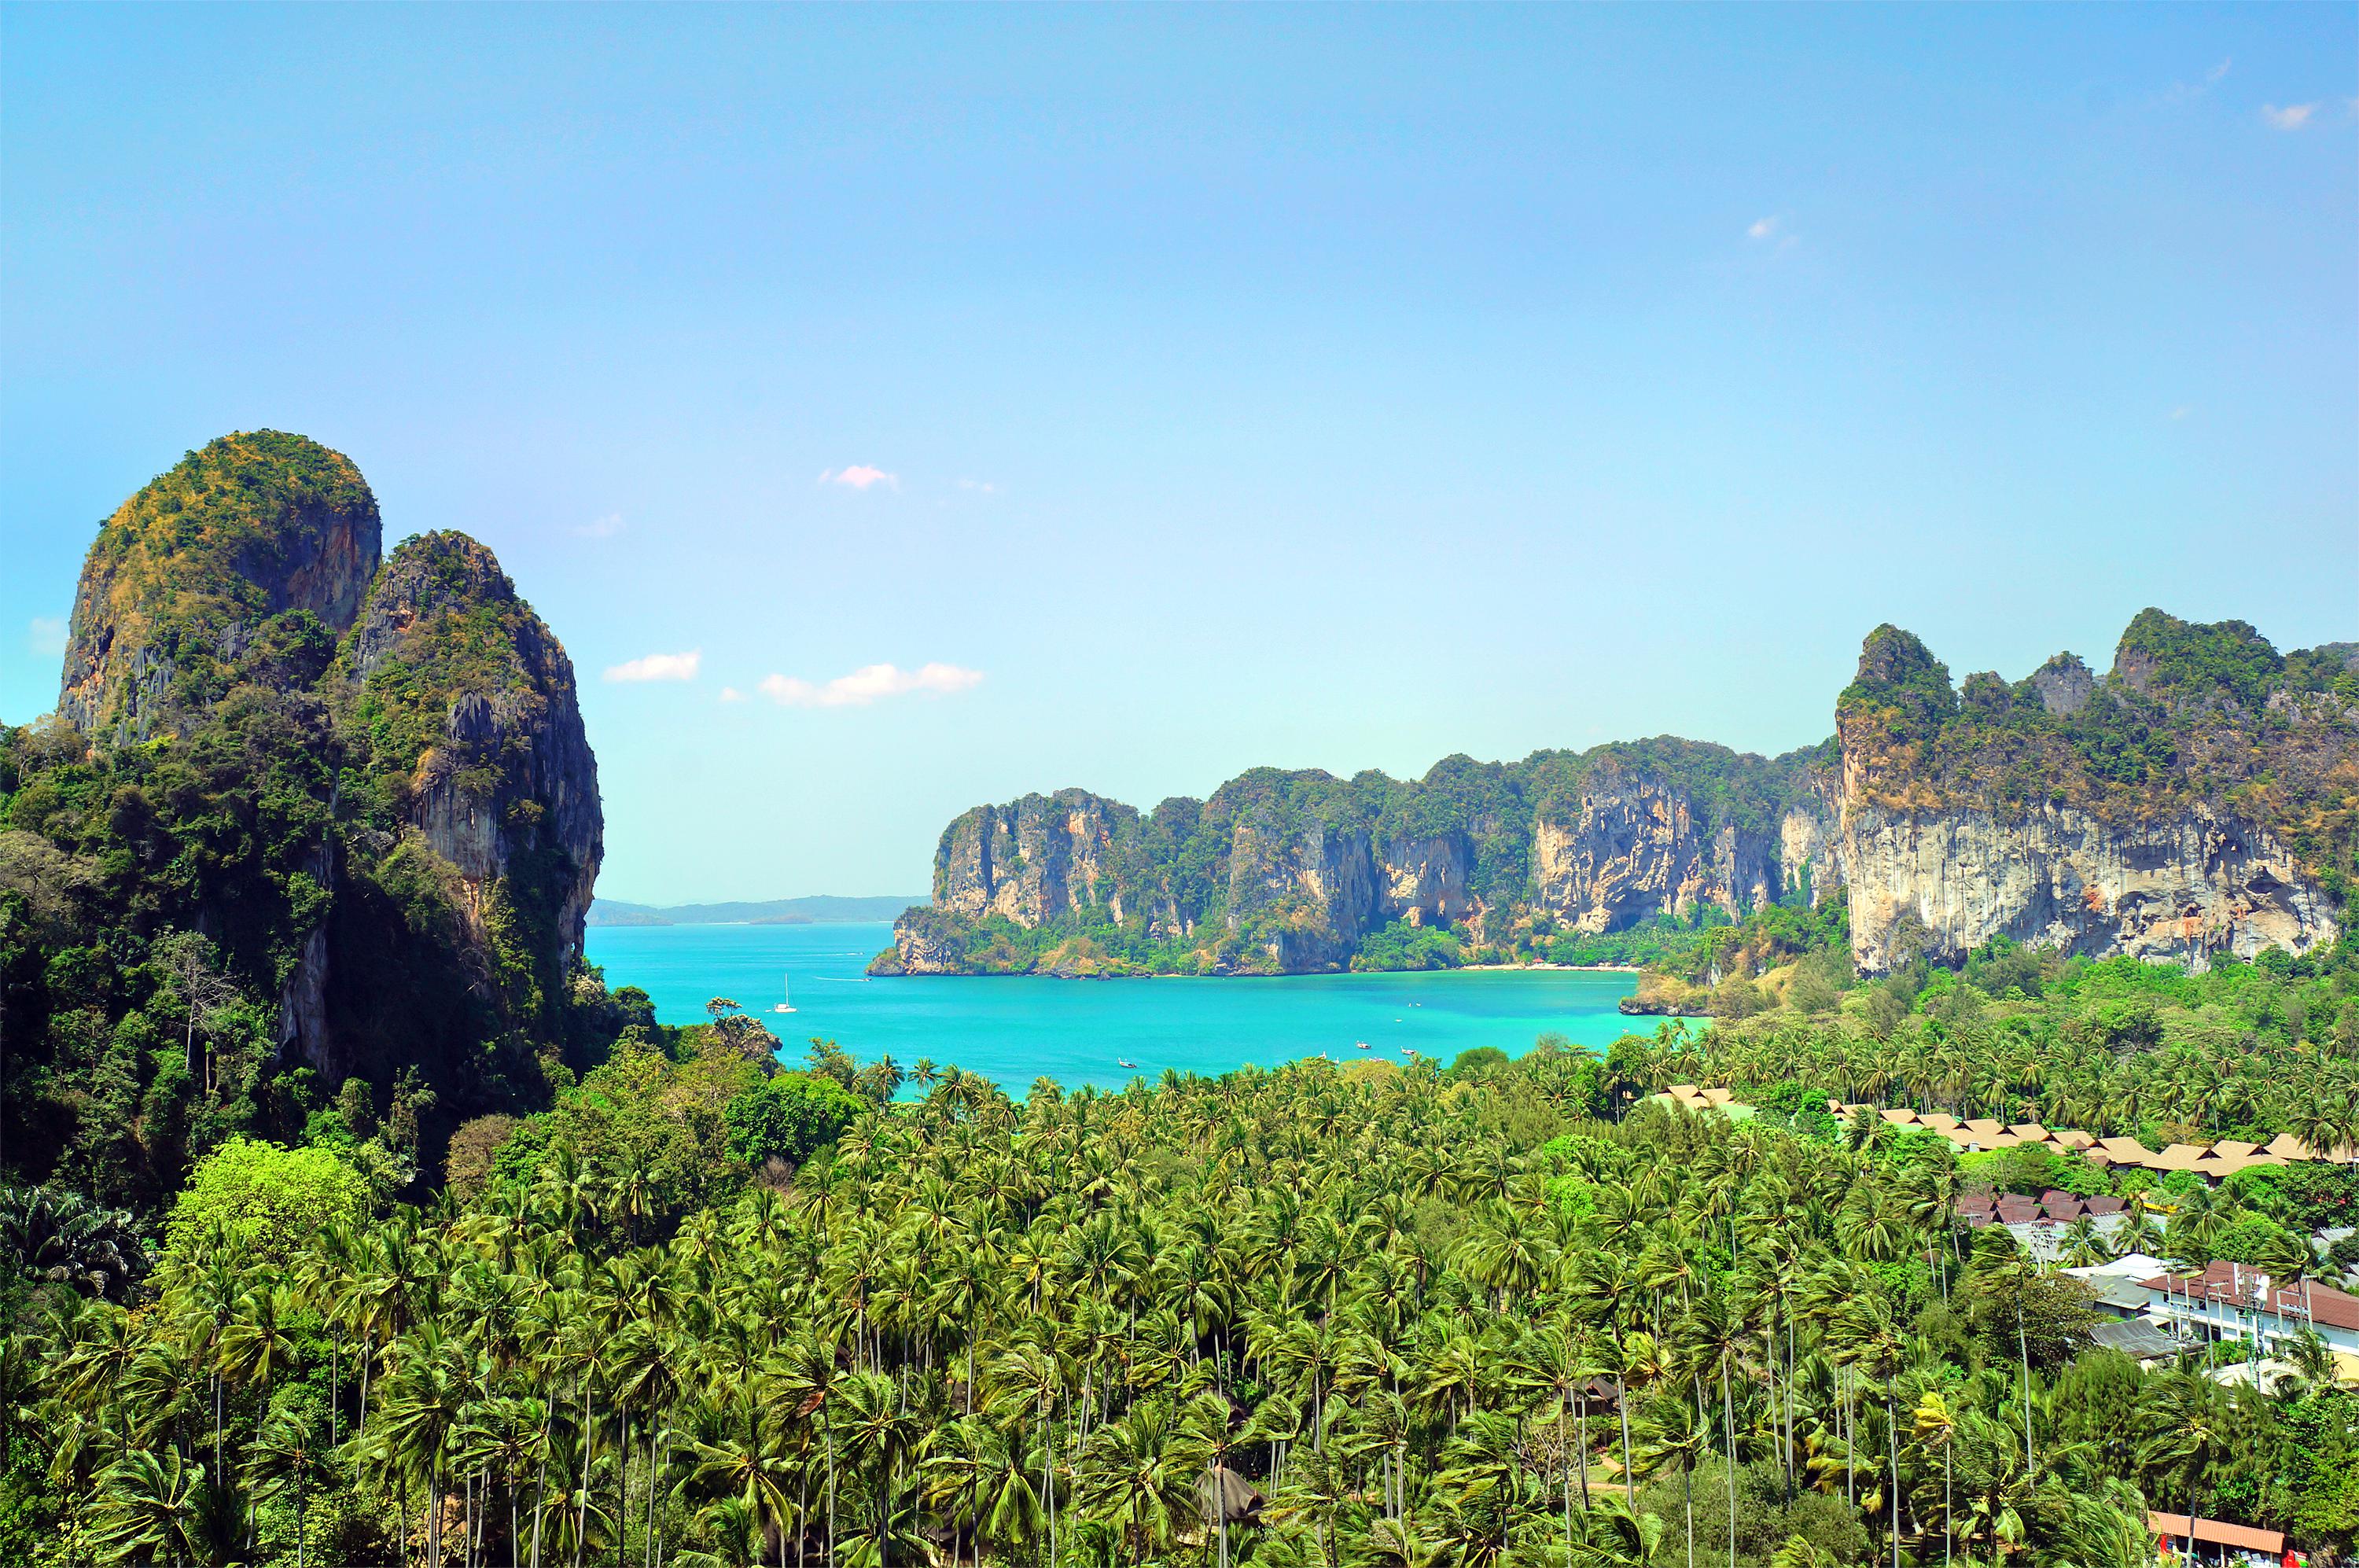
[[247, 527], [249, 917], [2189, 713]]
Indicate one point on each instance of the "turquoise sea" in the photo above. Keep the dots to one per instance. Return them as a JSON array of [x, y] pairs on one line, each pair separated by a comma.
[[1013, 1029]]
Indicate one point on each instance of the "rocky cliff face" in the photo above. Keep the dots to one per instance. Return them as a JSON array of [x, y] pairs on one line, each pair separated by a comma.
[[1293, 872], [1305, 889], [183, 576], [1033, 859], [2182, 888], [2197, 801], [1633, 848], [238, 605], [477, 700], [2201, 797]]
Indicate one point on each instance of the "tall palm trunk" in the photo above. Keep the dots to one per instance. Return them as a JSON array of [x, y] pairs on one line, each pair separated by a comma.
[[1687, 1497], [1585, 1451], [653, 1427], [1728, 1430], [588, 1452], [1892, 1446], [540, 1485], [1629, 1482]]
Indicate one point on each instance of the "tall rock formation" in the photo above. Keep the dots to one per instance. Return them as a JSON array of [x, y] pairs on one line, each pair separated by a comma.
[[425, 799], [2199, 800], [1291, 872], [470, 700], [182, 578]]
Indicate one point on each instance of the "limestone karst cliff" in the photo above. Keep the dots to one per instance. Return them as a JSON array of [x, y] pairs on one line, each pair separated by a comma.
[[1291, 872], [476, 697], [2201, 796], [181, 579], [366, 782]]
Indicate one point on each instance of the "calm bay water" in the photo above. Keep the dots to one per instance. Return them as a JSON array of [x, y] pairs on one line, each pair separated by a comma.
[[1014, 1029]]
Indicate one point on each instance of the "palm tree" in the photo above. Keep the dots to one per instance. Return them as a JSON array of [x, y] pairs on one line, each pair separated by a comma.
[[1141, 1474], [1031, 1378], [155, 1506], [287, 1460], [1869, 1337], [2188, 1441], [423, 1399], [739, 1443], [1674, 1435]]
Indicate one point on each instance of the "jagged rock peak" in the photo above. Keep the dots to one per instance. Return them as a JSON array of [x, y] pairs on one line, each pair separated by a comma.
[[1891, 656], [2177, 661], [429, 575], [181, 579], [2064, 684], [471, 705]]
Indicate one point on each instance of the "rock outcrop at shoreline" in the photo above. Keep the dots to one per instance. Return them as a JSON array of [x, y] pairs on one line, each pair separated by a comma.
[[2201, 797]]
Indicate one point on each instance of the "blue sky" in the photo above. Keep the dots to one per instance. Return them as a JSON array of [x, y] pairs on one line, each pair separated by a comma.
[[1160, 392]]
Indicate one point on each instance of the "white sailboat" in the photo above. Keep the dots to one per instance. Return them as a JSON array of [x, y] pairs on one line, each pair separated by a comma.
[[785, 995]]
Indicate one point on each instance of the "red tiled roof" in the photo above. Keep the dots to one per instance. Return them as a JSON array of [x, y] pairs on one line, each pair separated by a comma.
[[2219, 1533]]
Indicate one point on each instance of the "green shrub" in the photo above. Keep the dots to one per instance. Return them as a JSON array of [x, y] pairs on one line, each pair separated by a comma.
[[787, 1116], [271, 1201]]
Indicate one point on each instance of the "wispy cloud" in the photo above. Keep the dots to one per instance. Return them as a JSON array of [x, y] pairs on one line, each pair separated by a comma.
[[2292, 118], [46, 635], [2181, 411], [606, 527], [659, 667], [860, 476], [980, 487], [1763, 228], [731, 694], [2185, 91], [869, 684]]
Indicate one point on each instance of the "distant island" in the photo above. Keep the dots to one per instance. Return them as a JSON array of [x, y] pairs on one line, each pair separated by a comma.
[[822, 908]]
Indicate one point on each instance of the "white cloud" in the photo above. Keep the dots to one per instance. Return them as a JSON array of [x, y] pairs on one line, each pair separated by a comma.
[[46, 634], [2292, 118], [1762, 228], [606, 527], [659, 667], [980, 487], [2187, 91], [860, 476], [867, 684], [731, 694]]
